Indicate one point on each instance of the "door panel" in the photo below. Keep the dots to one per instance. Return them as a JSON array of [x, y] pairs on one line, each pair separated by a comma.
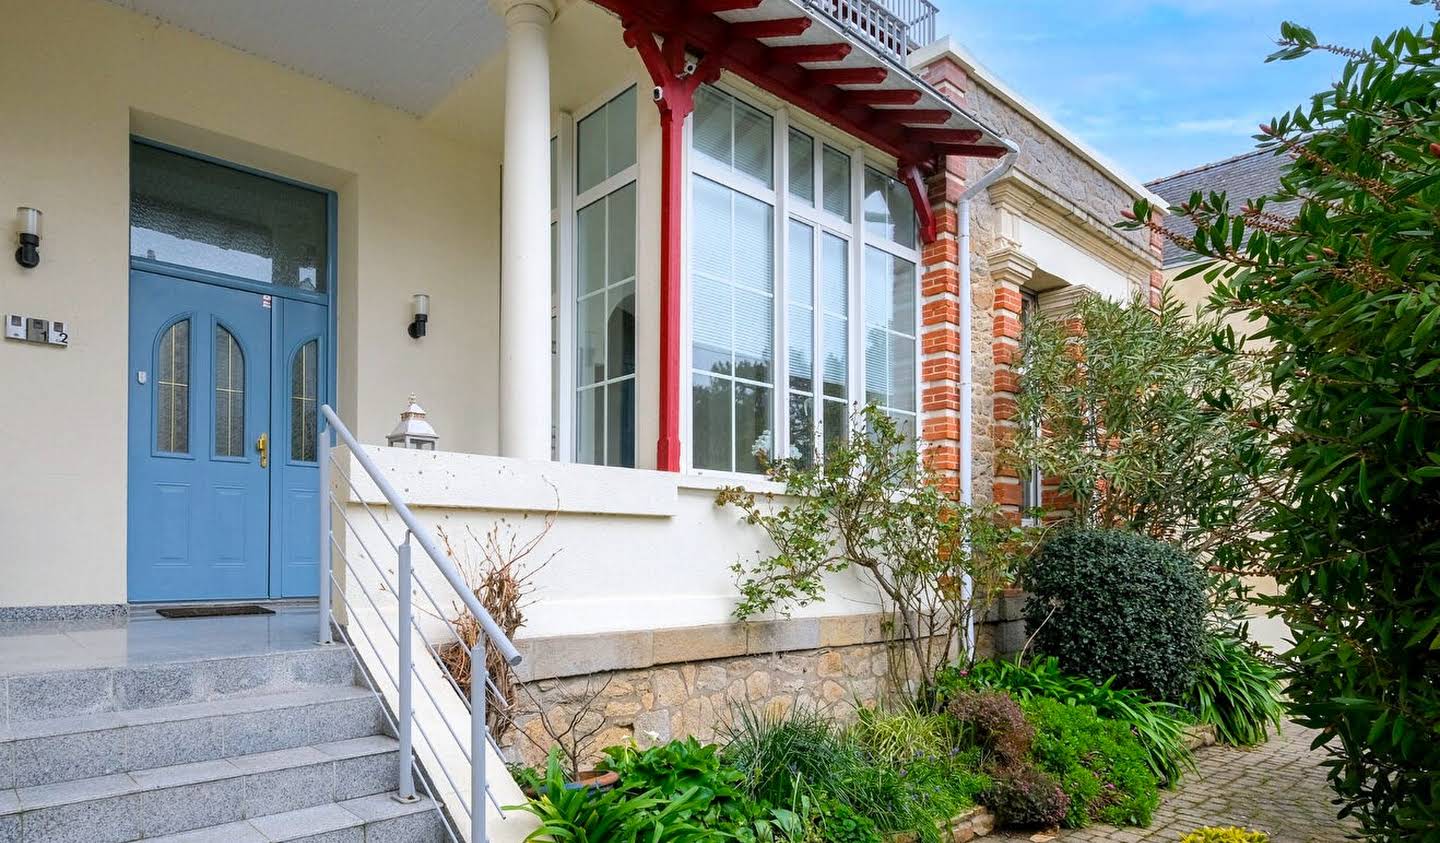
[[199, 502], [299, 377]]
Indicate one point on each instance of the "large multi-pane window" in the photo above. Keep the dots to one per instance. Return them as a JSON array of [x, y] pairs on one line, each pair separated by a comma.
[[593, 255], [779, 257]]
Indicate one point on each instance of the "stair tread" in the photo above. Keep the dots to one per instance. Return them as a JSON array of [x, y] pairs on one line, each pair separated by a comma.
[[179, 712], [319, 819], [140, 781]]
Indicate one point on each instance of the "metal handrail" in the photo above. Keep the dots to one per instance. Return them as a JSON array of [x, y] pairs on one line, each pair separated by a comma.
[[329, 429], [894, 27]]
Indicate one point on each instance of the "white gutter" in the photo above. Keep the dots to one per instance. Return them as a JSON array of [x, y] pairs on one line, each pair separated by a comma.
[[967, 362]]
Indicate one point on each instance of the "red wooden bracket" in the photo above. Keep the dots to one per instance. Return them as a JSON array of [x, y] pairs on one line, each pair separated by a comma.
[[960, 136], [883, 96], [808, 53], [914, 181], [850, 76], [917, 115], [778, 28]]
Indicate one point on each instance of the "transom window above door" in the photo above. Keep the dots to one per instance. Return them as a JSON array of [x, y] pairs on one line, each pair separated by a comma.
[[207, 216]]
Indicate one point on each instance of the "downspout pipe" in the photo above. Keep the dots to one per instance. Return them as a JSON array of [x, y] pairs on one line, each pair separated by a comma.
[[967, 361]]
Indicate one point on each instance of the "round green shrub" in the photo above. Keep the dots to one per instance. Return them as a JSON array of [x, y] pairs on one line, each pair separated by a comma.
[[1112, 603]]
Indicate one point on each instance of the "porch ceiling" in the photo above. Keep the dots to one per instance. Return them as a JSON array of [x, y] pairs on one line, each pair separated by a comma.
[[406, 55]]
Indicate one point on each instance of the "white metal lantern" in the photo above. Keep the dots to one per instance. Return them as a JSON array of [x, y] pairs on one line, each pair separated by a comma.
[[413, 431]]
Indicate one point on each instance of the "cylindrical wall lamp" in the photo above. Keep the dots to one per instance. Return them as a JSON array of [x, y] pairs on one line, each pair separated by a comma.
[[420, 309], [27, 222]]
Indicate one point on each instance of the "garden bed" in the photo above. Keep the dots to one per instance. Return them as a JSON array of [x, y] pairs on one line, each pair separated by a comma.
[[976, 822]]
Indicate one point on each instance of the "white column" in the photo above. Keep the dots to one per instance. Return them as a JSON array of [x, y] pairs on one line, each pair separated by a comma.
[[525, 387]]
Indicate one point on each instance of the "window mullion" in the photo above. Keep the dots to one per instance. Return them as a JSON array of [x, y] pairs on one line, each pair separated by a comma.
[[780, 301], [566, 287], [856, 282], [817, 345]]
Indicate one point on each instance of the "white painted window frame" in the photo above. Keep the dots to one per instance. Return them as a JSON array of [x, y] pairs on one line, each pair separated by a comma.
[[565, 305], [783, 208]]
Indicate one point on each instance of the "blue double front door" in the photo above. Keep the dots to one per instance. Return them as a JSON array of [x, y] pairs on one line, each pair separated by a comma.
[[224, 386]]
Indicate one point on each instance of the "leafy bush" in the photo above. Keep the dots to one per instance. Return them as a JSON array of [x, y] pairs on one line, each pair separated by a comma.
[[1110, 603], [994, 722], [1159, 726], [1237, 693], [1097, 762], [616, 816], [1112, 403], [1343, 293], [838, 822], [876, 508], [1229, 834], [1026, 797], [799, 757]]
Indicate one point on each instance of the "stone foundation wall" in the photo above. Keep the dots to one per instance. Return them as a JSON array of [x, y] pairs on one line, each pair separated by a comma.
[[658, 704], [681, 694]]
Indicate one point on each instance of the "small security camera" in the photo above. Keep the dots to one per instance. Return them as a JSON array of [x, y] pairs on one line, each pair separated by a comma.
[[657, 93], [690, 66]]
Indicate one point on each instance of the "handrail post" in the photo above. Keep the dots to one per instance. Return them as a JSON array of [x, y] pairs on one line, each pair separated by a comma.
[[479, 678], [406, 791], [324, 447]]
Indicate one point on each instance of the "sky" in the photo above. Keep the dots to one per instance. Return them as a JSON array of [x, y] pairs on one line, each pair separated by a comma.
[[1160, 86]]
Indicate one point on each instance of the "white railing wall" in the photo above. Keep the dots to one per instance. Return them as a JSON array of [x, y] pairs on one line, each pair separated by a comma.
[[456, 752], [894, 27]]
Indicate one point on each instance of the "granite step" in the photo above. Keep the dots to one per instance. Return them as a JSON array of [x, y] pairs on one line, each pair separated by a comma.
[[124, 807], [38, 752], [80, 692], [369, 819]]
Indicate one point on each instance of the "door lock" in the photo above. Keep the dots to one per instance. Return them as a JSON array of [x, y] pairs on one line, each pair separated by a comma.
[[263, 446]]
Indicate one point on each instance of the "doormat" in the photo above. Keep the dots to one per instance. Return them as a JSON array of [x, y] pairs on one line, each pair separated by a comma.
[[176, 612]]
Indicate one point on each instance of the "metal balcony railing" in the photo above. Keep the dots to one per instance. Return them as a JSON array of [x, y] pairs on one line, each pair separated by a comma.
[[894, 27]]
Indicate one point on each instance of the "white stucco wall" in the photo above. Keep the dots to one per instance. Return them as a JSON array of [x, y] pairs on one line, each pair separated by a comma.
[[418, 212], [628, 550]]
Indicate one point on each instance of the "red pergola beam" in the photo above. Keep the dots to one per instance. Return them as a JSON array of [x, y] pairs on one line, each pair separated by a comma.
[[713, 6], [916, 115], [970, 150], [883, 96], [942, 136], [850, 76], [807, 53], [778, 28]]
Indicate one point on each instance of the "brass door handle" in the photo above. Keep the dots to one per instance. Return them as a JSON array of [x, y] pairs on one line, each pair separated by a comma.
[[263, 446]]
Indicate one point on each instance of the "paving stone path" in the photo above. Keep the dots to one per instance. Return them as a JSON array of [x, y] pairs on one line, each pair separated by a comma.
[[1277, 788]]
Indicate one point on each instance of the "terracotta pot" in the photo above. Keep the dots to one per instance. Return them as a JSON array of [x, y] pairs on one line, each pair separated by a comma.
[[593, 781]]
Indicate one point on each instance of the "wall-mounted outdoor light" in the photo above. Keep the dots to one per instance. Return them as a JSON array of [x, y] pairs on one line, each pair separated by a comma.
[[28, 224], [420, 307]]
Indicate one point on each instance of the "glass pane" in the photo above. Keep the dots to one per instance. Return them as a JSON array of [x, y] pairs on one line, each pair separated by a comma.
[[620, 217], [902, 373], [802, 167], [834, 274], [837, 425], [711, 130], [712, 232], [802, 428], [554, 177], [172, 388], [753, 259], [754, 336], [710, 420], [878, 286], [752, 427], [620, 116], [889, 210], [836, 361], [590, 340], [711, 326], [212, 217], [835, 179], [800, 287], [229, 396], [590, 247], [620, 331], [904, 424], [877, 366], [304, 401], [754, 142], [590, 425], [620, 423], [902, 296], [590, 151]]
